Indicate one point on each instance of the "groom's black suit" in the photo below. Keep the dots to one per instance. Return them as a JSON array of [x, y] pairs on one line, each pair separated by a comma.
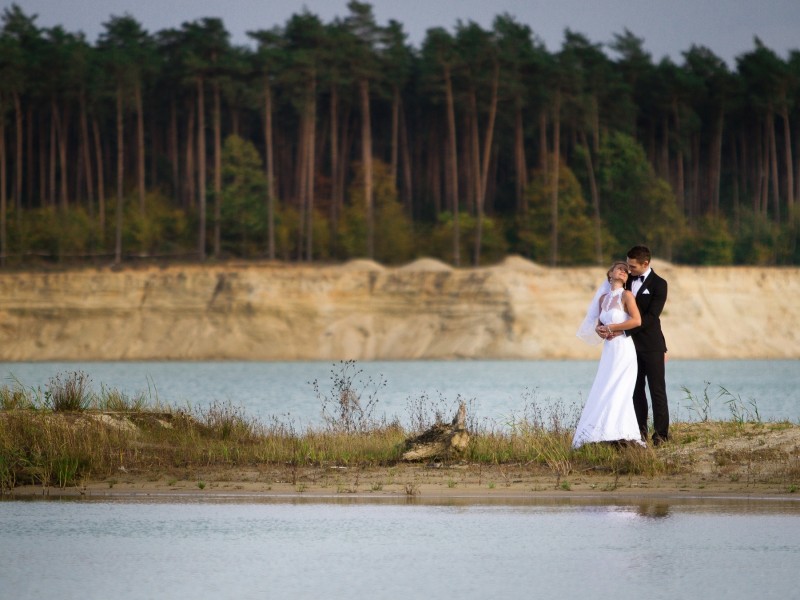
[[650, 354]]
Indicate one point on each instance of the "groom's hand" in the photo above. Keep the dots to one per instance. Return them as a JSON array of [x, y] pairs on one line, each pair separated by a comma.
[[603, 332]]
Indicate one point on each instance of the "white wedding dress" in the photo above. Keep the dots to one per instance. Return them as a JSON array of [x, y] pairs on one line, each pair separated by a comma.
[[608, 414]]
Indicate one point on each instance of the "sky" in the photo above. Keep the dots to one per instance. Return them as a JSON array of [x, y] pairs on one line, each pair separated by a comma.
[[668, 27]]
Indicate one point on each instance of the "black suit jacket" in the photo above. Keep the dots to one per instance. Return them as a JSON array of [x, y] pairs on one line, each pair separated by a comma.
[[650, 300]]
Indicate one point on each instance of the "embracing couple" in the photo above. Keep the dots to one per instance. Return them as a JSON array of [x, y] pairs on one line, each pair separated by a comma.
[[625, 316]]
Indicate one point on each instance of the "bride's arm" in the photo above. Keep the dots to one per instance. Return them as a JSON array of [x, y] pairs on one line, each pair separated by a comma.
[[629, 302]]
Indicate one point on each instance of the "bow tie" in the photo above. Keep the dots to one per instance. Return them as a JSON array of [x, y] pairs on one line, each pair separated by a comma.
[[637, 278]]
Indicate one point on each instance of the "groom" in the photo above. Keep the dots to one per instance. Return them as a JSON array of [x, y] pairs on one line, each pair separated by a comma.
[[650, 291]]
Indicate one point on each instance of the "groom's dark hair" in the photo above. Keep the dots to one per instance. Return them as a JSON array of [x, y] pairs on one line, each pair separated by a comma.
[[639, 253]]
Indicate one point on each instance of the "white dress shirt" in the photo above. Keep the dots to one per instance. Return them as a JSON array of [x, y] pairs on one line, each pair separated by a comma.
[[637, 284]]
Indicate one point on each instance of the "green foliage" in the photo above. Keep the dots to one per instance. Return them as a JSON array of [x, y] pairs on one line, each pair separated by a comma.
[[637, 206], [438, 242], [54, 233], [161, 228], [576, 231], [394, 241], [710, 243], [243, 210], [755, 239], [699, 115]]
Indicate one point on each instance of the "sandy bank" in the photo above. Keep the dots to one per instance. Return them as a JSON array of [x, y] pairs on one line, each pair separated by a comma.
[[362, 310]]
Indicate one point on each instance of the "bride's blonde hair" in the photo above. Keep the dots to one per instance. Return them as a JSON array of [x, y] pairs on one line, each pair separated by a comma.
[[614, 266]]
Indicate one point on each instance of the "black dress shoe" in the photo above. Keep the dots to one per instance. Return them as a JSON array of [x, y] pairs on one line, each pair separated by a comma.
[[658, 440]]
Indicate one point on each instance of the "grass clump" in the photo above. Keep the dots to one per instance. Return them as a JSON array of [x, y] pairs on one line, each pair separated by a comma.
[[68, 393]]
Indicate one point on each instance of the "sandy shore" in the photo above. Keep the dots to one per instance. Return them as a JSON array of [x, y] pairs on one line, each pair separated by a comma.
[[464, 482]]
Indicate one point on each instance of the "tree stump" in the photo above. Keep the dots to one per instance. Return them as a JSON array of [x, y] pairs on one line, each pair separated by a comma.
[[440, 441]]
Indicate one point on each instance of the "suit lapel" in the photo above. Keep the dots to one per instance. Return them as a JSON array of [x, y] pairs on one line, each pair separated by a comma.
[[645, 284]]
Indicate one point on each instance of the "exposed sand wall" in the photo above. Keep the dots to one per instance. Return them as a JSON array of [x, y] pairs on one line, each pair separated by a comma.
[[362, 310]]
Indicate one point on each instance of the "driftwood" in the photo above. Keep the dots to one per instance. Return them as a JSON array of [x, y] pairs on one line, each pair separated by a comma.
[[440, 441]]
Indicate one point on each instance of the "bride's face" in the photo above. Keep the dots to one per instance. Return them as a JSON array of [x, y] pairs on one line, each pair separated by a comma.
[[619, 273]]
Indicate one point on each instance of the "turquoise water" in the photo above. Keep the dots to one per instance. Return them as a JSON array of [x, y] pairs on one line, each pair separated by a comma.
[[497, 389], [349, 549]]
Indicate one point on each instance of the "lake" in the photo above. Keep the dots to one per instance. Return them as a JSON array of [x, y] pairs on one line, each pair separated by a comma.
[[497, 389], [349, 548]]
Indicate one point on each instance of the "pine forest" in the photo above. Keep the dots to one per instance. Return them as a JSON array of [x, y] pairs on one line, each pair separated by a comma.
[[324, 142]]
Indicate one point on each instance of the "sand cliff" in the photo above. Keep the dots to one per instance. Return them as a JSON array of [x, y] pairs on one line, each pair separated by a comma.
[[361, 310]]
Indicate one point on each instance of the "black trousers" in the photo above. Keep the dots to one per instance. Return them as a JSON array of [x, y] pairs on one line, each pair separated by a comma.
[[651, 368]]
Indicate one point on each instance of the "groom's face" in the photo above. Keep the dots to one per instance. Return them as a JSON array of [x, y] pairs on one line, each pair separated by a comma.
[[637, 268]]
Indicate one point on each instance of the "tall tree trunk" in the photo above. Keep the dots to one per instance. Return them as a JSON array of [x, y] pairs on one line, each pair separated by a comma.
[[556, 170], [217, 168], [598, 223], [543, 153], [395, 150], [453, 170], [663, 162], [174, 153], [796, 200], [120, 174], [473, 171], [366, 158], [519, 158], [87, 155], [435, 175], [345, 142], [51, 192], [310, 169], [270, 167], [44, 150], [18, 185], [3, 197], [302, 182], [488, 140], [735, 196], [190, 178], [335, 205], [201, 167], [140, 156], [763, 167], [62, 130], [680, 176], [787, 144], [716, 162], [695, 200], [773, 161], [30, 160], [101, 188], [408, 193]]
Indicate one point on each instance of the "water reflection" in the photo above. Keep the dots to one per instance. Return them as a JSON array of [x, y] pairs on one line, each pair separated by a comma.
[[301, 547], [654, 510]]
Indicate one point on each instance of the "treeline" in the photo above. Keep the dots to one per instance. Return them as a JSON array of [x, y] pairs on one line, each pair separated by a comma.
[[328, 141]]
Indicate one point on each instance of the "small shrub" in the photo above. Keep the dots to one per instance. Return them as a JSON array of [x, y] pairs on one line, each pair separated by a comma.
[[352, 402], [70, 393]]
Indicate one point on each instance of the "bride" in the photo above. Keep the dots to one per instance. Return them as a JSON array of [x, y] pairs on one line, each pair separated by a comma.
[[608, 415]]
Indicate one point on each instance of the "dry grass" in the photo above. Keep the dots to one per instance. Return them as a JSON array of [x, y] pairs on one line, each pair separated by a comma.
[[118, 437]]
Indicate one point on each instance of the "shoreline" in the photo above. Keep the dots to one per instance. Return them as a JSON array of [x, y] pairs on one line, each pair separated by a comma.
[[469, 484]]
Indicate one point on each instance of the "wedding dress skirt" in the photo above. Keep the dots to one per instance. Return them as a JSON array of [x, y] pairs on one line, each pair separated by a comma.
[[608, 414]]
